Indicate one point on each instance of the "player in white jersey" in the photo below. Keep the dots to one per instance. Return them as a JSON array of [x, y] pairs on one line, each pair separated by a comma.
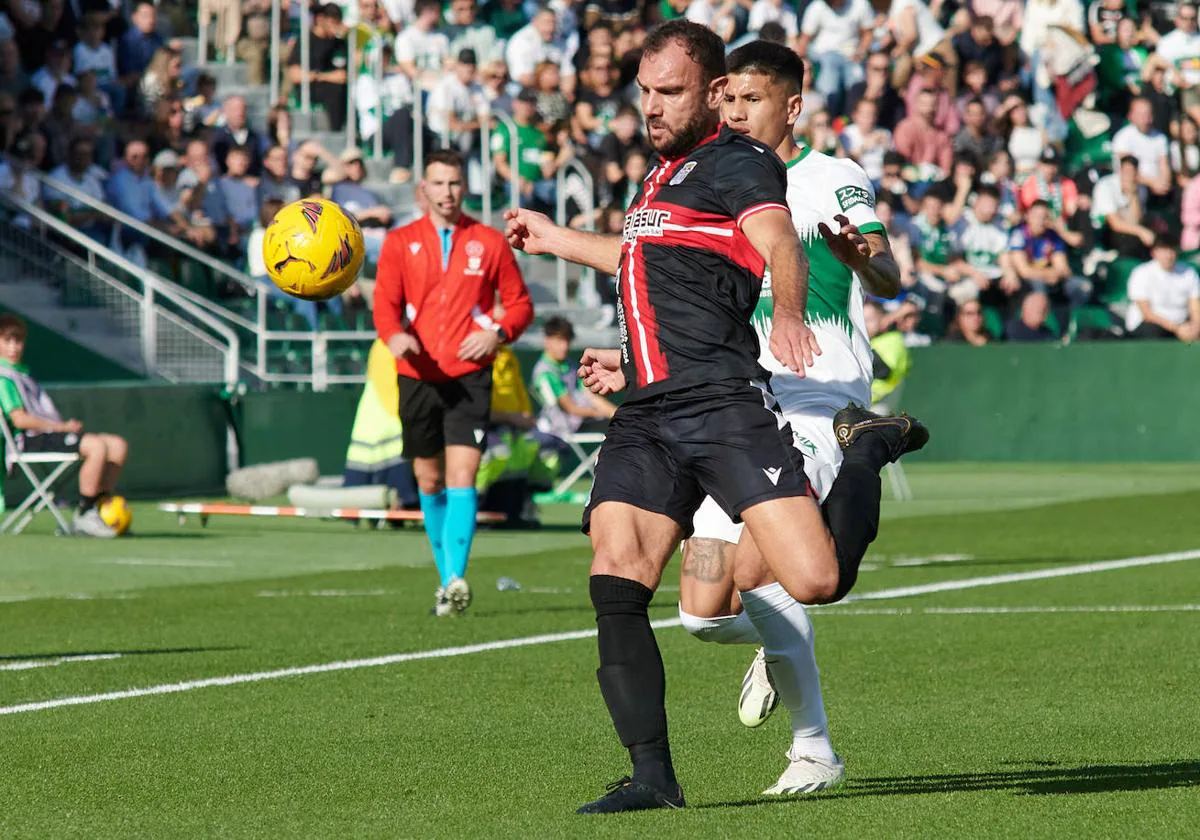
[[832, 204]]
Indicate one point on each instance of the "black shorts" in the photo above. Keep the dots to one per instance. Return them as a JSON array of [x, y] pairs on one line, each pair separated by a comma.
[[51, 442], [435, 415], [727, 440]]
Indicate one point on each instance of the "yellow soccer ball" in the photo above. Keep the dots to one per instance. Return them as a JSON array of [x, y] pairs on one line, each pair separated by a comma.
[[313, 249], [115, 512]]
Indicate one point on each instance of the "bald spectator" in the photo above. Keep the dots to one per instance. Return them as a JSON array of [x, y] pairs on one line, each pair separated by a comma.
[[1146, 143], [1030, 324], [132, 190], [534, 44], [919, 140], [236, 132]]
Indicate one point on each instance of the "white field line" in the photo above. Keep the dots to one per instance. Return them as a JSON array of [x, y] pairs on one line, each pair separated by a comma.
[[28, 664], [551, 638], [70, 596], [931, 560], [1099, 608], [198, 564], [323, 593]]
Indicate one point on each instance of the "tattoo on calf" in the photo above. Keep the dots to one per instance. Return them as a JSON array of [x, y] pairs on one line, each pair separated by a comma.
[[705, 561]]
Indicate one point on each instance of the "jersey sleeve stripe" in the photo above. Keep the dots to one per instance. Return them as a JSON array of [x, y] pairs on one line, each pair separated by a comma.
[[758, 208], [873, 227]]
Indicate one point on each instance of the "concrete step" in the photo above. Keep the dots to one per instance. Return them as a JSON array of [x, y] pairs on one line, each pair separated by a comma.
[[189, 50], [306, 123], [227, 75]]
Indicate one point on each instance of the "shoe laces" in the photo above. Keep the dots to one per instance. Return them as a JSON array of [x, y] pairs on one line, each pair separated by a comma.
[[619, 783]]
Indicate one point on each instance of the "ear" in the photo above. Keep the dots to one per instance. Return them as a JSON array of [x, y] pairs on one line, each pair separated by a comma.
[[716, 92], [795, 106]]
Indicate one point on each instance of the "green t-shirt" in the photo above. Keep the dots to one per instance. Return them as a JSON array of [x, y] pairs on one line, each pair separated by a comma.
[[10, 397], [550, 380], [531, 143], [935, 242], [506, 22]]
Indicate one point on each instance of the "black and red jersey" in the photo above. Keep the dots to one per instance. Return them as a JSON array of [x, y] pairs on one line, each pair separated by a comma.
[[689, 278]]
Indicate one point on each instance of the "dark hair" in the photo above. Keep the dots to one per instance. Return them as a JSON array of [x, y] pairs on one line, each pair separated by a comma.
[[773, 32], [988, 189], [422, 5], [702, 45], [1124, 159], [11, 326], [776, 61], [1041, 202], [446, 157], [558, 327], [975, 100], [245, 150], [80, 140], [984, 22], [894, 158], [33, 96], [269, 208], [1167, 239]]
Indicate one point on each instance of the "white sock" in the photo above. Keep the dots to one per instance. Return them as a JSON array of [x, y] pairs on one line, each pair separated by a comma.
[[787, 637], [724, 629]]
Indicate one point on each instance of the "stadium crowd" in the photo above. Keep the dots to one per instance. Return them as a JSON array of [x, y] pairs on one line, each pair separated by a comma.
[[1034, 160]]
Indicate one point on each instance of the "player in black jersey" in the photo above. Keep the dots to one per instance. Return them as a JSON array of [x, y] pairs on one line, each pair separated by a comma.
[[699, 417]]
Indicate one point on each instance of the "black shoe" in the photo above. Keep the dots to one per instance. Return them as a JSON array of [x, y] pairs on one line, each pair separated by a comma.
[[628, 795], [903, 434]]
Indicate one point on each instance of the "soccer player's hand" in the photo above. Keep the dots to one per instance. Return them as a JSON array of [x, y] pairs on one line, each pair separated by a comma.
[[792, 342], [601, 371], [848, 244], [479, 345], [529, 231], [402, 344]]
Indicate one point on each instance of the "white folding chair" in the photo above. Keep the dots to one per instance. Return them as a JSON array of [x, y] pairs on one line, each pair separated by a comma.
[[897, 479], [41, 497], [587, 460]]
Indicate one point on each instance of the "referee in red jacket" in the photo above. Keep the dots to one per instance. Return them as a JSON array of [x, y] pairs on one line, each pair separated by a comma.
[[435, 297]]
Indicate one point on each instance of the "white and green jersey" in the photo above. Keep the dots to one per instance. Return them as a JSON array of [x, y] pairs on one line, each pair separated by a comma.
[[820, 187]]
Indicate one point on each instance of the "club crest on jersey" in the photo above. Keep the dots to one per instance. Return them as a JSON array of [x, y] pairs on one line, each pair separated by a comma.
[[678, 177], [312, 213], [647, 222], [414, 247], [852, 196], [474, 251]]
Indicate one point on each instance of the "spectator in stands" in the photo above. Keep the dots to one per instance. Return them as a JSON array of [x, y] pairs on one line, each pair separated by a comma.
[[13, 78], [466, 32], [624, 136], [79, 172], [279, 130], [256, 266], [1037, 257], [533, 44], [59, 127], [139, 43], [999, 174], [596, 102], [919, 140], [553, 108], [1103, 18], [17, 169], [454, 105], [1146, 143], [1047, 184], [835, 36], [1030, 324], [536, 164], [939, 262], [1185, 152], [275, 183], [916, 33], [967, 326], [974, 86], [1026, 142], [493, 80], [1118, 208], [890, 359], [974, 138], [195, 154], [721, 16], [371, 212], [236, 132], [93, 53], [877, 87], [422, 48], [163, 79], [56, 71], [165, 169], [327, 63], [93, 108], [864, 141], [239, 189], [201, 110], [1179, 49], [1164, 296], [31, 413], [564, 403], [958, 188], [1190, 216], [506, 17], [898, 229], [983, 240], [931, 75], [893, 188], [132, 190], [763, 12], [978, 45], [1120, 68], [210, 227]]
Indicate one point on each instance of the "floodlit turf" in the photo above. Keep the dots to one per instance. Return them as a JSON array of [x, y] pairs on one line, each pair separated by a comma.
[[1029, 708]]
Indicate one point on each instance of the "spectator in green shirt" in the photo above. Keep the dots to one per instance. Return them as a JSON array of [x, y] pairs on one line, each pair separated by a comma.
[[565, 404], [537, 164], [38, 427]]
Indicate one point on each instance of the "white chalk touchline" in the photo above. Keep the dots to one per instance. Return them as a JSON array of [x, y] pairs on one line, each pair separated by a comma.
[[1100, 608], [28, 664], [322, 593], [198, 564], [550, 638]]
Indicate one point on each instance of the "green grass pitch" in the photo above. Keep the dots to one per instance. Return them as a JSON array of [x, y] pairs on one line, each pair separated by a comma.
[[1031, 707]]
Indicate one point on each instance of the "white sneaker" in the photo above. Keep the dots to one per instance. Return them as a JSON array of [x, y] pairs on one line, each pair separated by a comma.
[[808, 775], [441, 603], [91, 525], [458, 591], [759, 697]]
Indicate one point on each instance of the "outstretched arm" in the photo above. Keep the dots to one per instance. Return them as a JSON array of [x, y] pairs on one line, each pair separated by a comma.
[[534, 233], [869, 255]]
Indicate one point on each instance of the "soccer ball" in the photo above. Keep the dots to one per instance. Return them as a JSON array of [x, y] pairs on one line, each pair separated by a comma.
[[115, 512], [313, 249]]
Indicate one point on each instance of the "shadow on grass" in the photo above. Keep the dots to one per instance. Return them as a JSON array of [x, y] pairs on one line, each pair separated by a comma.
[[26, 657], [1047, 779]]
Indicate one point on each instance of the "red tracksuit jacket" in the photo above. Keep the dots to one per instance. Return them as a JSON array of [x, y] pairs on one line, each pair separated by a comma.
[[441, 308]]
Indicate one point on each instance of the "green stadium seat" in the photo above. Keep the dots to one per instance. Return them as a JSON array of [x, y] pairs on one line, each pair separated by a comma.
[[1116, 285], [993, 322], [1089, 319]]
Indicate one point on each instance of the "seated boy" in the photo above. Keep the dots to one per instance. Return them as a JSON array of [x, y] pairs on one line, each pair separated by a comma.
[[565, 404], [38, 427]]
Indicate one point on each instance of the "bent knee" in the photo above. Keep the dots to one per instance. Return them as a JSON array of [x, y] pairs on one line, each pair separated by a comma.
[[92, 445], [117, 446], [822, 588]]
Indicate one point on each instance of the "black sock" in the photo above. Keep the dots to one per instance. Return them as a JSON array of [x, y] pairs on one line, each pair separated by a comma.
[[851, 510], [631, 677], [86, 503], [873, 448]]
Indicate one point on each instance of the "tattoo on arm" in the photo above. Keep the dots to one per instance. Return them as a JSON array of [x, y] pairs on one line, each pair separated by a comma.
[[705, 560]]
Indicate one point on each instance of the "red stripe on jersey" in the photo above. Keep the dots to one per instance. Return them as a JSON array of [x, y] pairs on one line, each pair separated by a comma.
[[650, 362], [719, 234], [758, 208]]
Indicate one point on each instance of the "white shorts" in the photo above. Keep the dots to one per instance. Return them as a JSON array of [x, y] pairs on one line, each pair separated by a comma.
[[812, 431]]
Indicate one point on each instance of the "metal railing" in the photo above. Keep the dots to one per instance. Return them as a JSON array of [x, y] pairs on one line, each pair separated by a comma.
[[176, 339], [573, 166]]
